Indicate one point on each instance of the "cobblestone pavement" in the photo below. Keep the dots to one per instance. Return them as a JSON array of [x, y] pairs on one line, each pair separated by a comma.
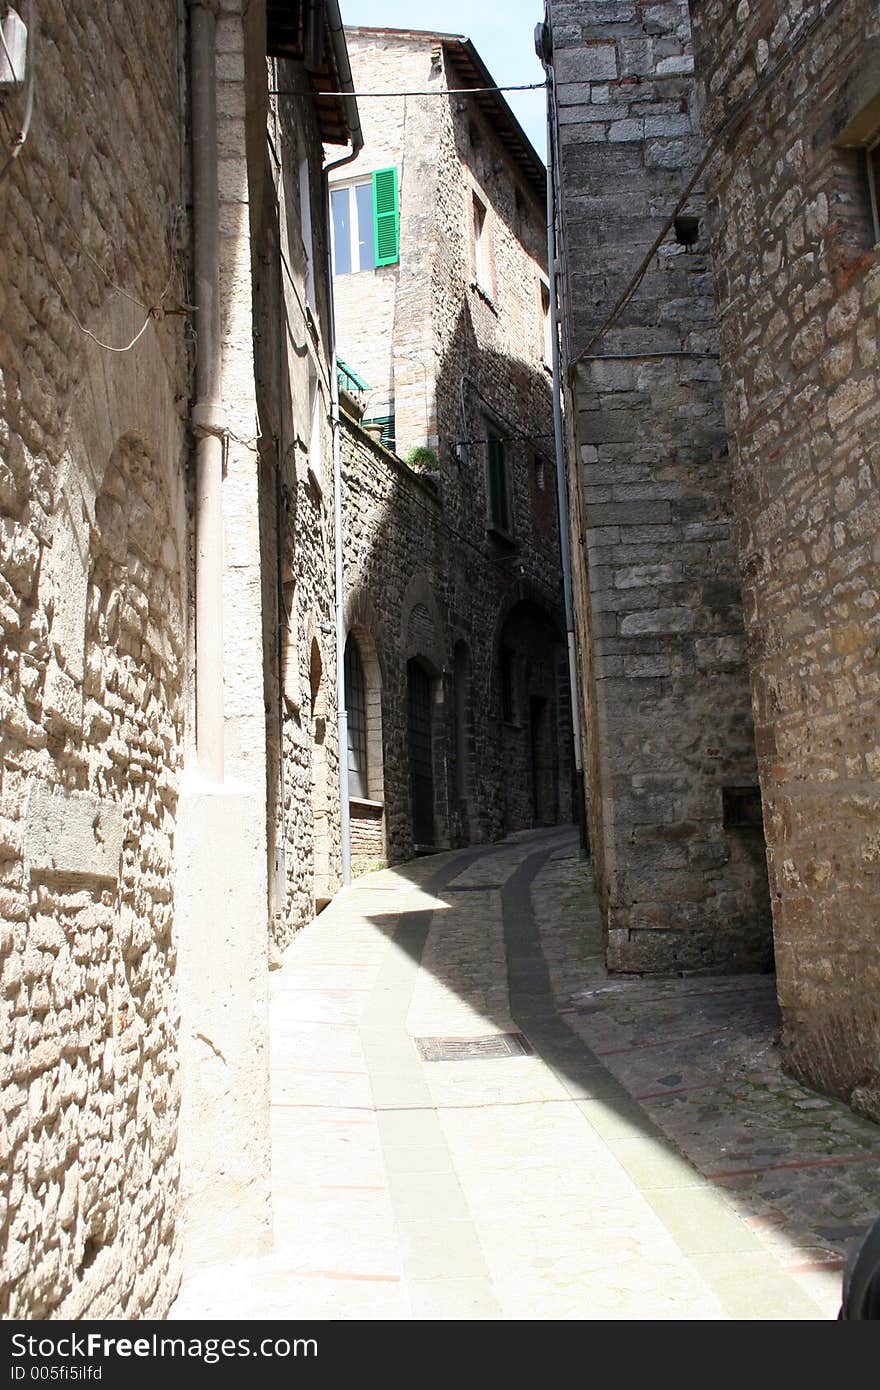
[[647, 1160]]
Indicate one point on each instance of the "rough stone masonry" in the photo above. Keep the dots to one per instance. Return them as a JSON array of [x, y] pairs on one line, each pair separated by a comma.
[[671, 773], [91, 674], [797, 276]]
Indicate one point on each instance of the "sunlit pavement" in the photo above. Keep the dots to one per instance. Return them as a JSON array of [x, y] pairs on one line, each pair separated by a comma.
[[647, 1160]]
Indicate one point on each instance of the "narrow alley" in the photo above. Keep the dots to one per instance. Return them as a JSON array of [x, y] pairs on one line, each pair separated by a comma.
[[644, 1156]]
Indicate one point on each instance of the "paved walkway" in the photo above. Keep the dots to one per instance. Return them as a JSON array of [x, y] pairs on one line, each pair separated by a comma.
[[541, 1186]]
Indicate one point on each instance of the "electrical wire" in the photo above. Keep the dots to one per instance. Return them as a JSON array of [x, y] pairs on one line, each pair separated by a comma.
[[501, 564], [501, 438], [731, 123], [515, 436], [153, 312], [424, 92], [30, 83], [120, 289]]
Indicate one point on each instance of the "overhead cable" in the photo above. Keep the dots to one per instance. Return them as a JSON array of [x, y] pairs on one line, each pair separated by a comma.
[[422, 92], [731, 123]]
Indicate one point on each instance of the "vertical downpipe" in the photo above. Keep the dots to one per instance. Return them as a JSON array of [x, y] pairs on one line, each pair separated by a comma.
[[341, 710], [207, 417], [337, 39], [558, 437]]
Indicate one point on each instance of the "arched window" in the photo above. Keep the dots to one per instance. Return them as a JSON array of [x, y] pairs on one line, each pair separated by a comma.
[[356, 705]]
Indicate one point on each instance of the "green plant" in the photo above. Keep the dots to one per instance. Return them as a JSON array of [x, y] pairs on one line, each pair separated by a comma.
[[422, 457]]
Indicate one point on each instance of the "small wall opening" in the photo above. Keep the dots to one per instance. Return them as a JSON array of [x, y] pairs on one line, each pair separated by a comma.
[[741, 808], [686, 229]]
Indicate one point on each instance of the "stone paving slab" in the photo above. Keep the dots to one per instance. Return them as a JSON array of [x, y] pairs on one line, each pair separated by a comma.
[[650, 1160]]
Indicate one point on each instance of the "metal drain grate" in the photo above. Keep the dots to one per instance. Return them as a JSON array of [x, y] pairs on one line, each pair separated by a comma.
[[473, 888], [473, 1049]]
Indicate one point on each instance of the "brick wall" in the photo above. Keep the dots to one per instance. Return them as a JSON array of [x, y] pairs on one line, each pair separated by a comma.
[[668, 719], [798, 286]]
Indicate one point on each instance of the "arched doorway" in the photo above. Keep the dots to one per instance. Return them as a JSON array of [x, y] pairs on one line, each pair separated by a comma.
[[463, 713], [420, 739], [531, 704]]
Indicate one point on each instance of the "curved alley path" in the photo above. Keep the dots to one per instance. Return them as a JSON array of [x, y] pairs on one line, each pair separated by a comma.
[[647, 1160]]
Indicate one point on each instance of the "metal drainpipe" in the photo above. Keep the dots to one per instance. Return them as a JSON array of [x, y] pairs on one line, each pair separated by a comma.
[[346, 84], [561, 481], [207, 416]]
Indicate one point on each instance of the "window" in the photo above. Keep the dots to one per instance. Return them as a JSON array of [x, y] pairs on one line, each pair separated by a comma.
[[853, 125], [305, 222], [506, 681], [356, 705], [546, 325], [519, 204], [387, 424], [540, 473], [872, 170], [499, 497], [365, 220], [316, 411], [482, 270]]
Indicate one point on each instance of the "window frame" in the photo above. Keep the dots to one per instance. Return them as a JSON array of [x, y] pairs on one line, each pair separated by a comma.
[[348, 186], [546, 322], [371, 238], [357, 752], [481, 240], [317, 414], [872, 167], [501, 526], [306, 228], [507, 685]]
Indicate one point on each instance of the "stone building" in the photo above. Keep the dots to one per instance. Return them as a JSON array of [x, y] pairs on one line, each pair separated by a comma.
[[789, 102], [793, 212], [672, 784], [458, 708], [166, 743]]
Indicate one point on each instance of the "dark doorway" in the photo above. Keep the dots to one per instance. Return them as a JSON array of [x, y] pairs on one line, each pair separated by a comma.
[[543, 810], [421, 761]]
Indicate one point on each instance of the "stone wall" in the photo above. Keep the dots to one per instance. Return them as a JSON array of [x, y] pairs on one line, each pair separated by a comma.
[[444, 587], [296, 533], [366, 302], [670, 746], [93, 585], [393, 547], [798, 286], [133, 890], [415, 594]]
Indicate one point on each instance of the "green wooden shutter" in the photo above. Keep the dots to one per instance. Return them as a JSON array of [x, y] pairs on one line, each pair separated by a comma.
[[386, 217]]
